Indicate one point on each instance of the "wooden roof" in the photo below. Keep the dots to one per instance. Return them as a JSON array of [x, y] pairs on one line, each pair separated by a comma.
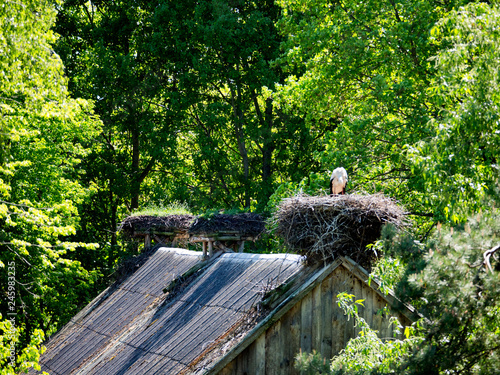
[[163, 317], [307, 320], [178, 314]]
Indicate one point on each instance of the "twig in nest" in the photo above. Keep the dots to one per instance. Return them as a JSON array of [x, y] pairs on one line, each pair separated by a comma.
[[248, 224], [487, 255], [325, 226], [146, 223]]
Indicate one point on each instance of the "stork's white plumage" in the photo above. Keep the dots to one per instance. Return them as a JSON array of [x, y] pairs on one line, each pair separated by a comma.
[[338, 181]]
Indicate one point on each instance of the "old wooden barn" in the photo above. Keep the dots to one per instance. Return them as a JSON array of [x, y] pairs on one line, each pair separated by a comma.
[[235, 313]]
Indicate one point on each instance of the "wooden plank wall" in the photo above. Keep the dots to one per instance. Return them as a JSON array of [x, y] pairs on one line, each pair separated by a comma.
[[314, 323]]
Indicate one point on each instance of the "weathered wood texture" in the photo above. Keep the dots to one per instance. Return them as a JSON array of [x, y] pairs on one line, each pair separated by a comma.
[[167, 314], [236, 239], [314, 323]]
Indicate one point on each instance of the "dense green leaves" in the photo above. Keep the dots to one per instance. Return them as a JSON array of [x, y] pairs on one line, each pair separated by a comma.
[[457, 296], [239, 143], [113, 57], [10, 363], [459, 159], [416, 101], [236, 104], [47, 134], [190, 115], [459, 299]]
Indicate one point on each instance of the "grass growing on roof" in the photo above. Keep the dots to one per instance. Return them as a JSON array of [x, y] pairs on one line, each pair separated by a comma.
[[173, 208]]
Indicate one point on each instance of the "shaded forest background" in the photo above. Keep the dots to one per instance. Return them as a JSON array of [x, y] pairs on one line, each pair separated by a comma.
[[112, 106]]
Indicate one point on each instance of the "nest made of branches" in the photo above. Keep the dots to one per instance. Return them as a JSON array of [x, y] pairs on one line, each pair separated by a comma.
[[322, 227], [146, 223], [246, 224]]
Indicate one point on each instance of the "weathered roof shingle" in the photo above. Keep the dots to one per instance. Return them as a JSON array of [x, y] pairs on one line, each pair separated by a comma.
[[137, 328]]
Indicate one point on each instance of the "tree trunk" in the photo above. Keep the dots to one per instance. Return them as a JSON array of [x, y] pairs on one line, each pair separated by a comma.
[[113, 224], [268, 147], [114, 221], [135, 184], [267, 150], [240, 138]]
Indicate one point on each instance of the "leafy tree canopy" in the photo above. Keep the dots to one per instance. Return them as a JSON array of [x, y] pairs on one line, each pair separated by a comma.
[[196, 104], [449, 154], [45, 134], [456, 293], [458, 161], [413, 86]]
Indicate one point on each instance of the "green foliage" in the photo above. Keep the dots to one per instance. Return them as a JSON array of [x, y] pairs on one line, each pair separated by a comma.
[[210, 213], [108, 59], [459, 299], [391, 266], [364, 67], [445, 278], [312, 363], [459, 159], [387, 272], [416, 112], [187, 115], [200, 109], [28, 358], [196, 105], [242, 143], [312, 184], [366, 353], [48, 134]]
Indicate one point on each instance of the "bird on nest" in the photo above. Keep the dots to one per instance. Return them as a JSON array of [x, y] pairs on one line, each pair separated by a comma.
[[338, 180]]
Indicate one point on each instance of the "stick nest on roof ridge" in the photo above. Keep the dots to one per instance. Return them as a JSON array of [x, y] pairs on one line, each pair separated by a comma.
[[247, 224], [323, 227], [168, 223]]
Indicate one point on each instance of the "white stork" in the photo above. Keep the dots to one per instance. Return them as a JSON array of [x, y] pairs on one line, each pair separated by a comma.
[[338, 181]]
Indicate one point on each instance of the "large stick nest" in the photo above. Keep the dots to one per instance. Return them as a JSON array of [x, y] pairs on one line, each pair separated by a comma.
[[146, 223], [246, 224], [322, 227]]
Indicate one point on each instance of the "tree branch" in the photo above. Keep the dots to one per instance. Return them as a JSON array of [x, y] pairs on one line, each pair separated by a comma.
[[487, 255]]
